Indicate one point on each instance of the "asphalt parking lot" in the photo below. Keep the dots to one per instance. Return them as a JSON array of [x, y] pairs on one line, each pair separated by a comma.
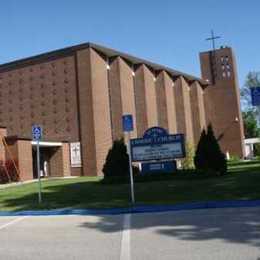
[[195, 234]]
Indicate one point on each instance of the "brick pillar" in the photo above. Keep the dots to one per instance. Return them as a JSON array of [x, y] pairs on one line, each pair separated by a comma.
[[25, 160], [101, 109], [95, 120], [145, 99], [150, 96], [87, 137], [122, 98], [166, 102], [115, 100], [127, 92], [170, 102], [60, 161], [183, 109], [198, 111], [21, 152], [161, 101], [140, 102], [66, 159]]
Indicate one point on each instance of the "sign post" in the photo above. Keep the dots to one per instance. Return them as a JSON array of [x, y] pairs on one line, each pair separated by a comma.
[[37, 135], [127, 128]]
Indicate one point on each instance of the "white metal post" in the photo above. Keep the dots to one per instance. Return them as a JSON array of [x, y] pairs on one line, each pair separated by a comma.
[[39, 172], [130, 168]]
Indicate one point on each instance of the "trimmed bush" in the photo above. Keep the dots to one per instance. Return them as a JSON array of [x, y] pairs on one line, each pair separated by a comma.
[[234, 159], [209, 157], [257, 149], [117, 161], [200, 160], [188, 161]]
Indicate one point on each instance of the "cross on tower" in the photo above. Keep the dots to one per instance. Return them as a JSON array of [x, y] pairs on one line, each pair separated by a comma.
[[213, 38]]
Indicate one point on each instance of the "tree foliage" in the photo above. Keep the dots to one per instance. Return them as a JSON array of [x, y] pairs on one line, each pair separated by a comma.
[[208, 156], [188, 161], [117, 161], [250, 124]]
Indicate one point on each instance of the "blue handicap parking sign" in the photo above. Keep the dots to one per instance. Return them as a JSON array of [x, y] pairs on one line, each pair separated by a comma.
[[255, 95], [127, 123], [36, 132]]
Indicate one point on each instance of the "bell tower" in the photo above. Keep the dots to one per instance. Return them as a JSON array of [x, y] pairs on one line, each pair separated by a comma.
[[222, 98]]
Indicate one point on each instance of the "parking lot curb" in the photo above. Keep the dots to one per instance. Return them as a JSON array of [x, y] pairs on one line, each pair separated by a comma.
[[136, 209]]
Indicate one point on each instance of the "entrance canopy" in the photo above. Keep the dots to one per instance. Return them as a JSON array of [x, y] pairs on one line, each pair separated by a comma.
[[47, 144]]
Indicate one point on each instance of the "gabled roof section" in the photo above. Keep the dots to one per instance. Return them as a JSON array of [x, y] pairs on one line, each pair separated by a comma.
[[105, 51]]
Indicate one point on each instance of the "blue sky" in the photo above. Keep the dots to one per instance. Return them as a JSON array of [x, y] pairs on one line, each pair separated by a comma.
[[168, 32]]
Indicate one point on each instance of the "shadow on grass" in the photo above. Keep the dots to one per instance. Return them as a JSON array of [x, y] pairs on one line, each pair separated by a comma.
[[240, 183], [82, 194]]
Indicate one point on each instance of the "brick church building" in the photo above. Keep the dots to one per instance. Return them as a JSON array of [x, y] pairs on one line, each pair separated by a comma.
[[79, 94]]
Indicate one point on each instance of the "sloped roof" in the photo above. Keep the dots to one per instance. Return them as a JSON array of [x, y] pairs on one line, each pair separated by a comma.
[[105, 51]]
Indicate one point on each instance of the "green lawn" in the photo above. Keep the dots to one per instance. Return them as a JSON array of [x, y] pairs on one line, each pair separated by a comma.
[[243, 182]]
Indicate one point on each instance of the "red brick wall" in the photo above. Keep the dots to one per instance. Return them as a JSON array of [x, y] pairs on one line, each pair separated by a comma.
[[222, 100], [43, 93]]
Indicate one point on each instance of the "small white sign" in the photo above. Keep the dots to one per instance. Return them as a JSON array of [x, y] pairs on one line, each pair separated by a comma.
[[75, 154]]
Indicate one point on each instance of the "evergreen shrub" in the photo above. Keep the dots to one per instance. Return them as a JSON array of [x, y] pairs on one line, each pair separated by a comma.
[[117, 161], [208, 157]]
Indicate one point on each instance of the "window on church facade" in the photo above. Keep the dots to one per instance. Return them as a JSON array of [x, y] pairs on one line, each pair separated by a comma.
[[225, 66]]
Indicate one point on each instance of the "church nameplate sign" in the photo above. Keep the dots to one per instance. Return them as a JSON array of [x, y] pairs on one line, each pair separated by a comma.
[[157, 145]]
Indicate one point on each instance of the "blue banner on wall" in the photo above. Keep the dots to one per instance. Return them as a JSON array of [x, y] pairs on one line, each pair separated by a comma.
[[159, 167]]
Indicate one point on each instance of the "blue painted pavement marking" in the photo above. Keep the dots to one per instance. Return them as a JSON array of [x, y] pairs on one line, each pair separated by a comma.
[[137, 209]]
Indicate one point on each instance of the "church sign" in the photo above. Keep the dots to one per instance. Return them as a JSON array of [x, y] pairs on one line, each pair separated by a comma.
[[75, 154], [157, 144]]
